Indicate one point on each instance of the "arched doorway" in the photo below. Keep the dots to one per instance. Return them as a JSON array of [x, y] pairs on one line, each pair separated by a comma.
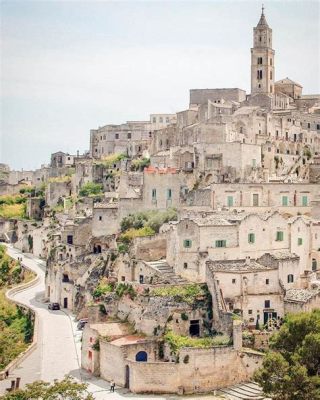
[[141, 356]]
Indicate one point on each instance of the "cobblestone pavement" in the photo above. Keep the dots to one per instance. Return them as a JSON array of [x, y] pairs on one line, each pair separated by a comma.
[[59, 345]]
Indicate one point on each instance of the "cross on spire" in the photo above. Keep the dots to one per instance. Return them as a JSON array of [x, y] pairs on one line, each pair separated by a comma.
[[262, 8]]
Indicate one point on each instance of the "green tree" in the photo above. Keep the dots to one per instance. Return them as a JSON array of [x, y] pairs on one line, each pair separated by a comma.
[[66, 389], [91, 188], [291, 371]]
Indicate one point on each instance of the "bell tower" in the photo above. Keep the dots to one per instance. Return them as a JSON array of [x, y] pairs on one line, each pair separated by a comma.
[[262, 58]]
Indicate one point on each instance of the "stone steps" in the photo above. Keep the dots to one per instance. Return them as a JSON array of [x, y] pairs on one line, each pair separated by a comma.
[[168, 272], [244, 391]]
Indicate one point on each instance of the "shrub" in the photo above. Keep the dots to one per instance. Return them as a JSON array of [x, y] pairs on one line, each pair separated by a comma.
[[123, 289], [152, 219], [183, 293], [132, 233], [90, 189], [103, 287], [13, 211], [140, 164], [184, 317], [110, 160], [176, 342]]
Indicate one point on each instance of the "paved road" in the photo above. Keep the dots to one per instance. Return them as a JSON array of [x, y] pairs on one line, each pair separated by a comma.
[[59, 344]]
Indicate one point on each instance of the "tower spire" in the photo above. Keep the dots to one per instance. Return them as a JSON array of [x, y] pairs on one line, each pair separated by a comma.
[[262, 9]]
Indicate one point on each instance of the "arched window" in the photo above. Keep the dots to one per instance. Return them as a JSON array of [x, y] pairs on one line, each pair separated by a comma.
[[290, 278], [141, 356]]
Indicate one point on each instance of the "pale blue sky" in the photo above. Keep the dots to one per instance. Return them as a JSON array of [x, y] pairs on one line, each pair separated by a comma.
[[69, 66]]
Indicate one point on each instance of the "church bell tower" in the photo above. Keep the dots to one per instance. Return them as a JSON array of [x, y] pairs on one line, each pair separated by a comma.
[[262, 59]]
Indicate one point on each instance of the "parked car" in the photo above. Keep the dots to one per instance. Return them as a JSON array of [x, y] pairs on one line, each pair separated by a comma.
[[53, 306], [81, 323]]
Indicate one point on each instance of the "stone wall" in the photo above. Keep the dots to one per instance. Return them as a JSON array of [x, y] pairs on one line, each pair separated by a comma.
[[206, 370]]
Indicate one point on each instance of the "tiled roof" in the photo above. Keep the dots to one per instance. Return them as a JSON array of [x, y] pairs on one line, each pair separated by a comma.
[[301, 295]]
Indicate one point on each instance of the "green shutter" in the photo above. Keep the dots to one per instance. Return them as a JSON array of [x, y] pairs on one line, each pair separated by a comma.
[[304, 201], [187, 243], [251, 238], [230, 201], [284, 200], [299, 241], [279, 236]]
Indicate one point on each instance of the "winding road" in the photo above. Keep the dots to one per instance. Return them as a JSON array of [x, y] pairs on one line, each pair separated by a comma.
[[58, 348]]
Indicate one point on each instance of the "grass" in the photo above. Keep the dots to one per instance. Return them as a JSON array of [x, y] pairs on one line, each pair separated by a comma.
[[110, 160], [132, 233], [13, 211], [176, 342], [60, 179], [16, 327], [182, 293]]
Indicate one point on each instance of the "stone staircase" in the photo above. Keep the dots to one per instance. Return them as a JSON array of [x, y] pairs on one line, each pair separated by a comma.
[[166, 271], [243, 391]]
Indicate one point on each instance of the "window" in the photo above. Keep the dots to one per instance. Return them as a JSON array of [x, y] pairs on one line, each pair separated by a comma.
[[314, 264], [154, 120], [249, 312], [255, 200], [167, 120], [267, 281], [284, 200], [260, 60], [318, 127], [251, 238], [185, 265], [129, 135], [187, 243], [233, 281], [161, 120], [116, 136], [230, 201], [70, 239], [290, 278], [254, 162], [279, 236], [259, 74], [221, 243], [100, 218], [300, 241], [154, 194], [141, 278], [304, 201], [308, 125], [270, 61], [267, 304], [169, 194], [270, 74], [123, 278]]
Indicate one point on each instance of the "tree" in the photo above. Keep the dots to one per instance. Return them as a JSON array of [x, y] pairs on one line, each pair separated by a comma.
[[66, 389], [292, 370], [91, 188]]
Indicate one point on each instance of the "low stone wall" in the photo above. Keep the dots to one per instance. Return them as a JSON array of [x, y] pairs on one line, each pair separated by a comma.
[[198, 370], [9, 294]]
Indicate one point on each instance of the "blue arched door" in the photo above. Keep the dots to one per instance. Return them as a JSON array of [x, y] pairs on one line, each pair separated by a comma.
[[142, 356]]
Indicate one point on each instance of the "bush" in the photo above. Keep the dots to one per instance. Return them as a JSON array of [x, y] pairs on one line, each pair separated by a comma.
[[176, 342], [13, 211], [140, 164], [110, 160], [183, 293], [102, 288], [152, 219], [123, 289], [90, 189], [132, 233]]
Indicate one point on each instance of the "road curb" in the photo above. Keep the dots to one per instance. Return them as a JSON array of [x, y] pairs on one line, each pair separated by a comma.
[[9, 293]]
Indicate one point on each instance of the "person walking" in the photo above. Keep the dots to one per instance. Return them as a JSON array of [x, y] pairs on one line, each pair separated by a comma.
[[112, 386]]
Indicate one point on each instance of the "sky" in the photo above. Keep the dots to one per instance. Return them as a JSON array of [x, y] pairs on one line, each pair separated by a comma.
[[71, 66]]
